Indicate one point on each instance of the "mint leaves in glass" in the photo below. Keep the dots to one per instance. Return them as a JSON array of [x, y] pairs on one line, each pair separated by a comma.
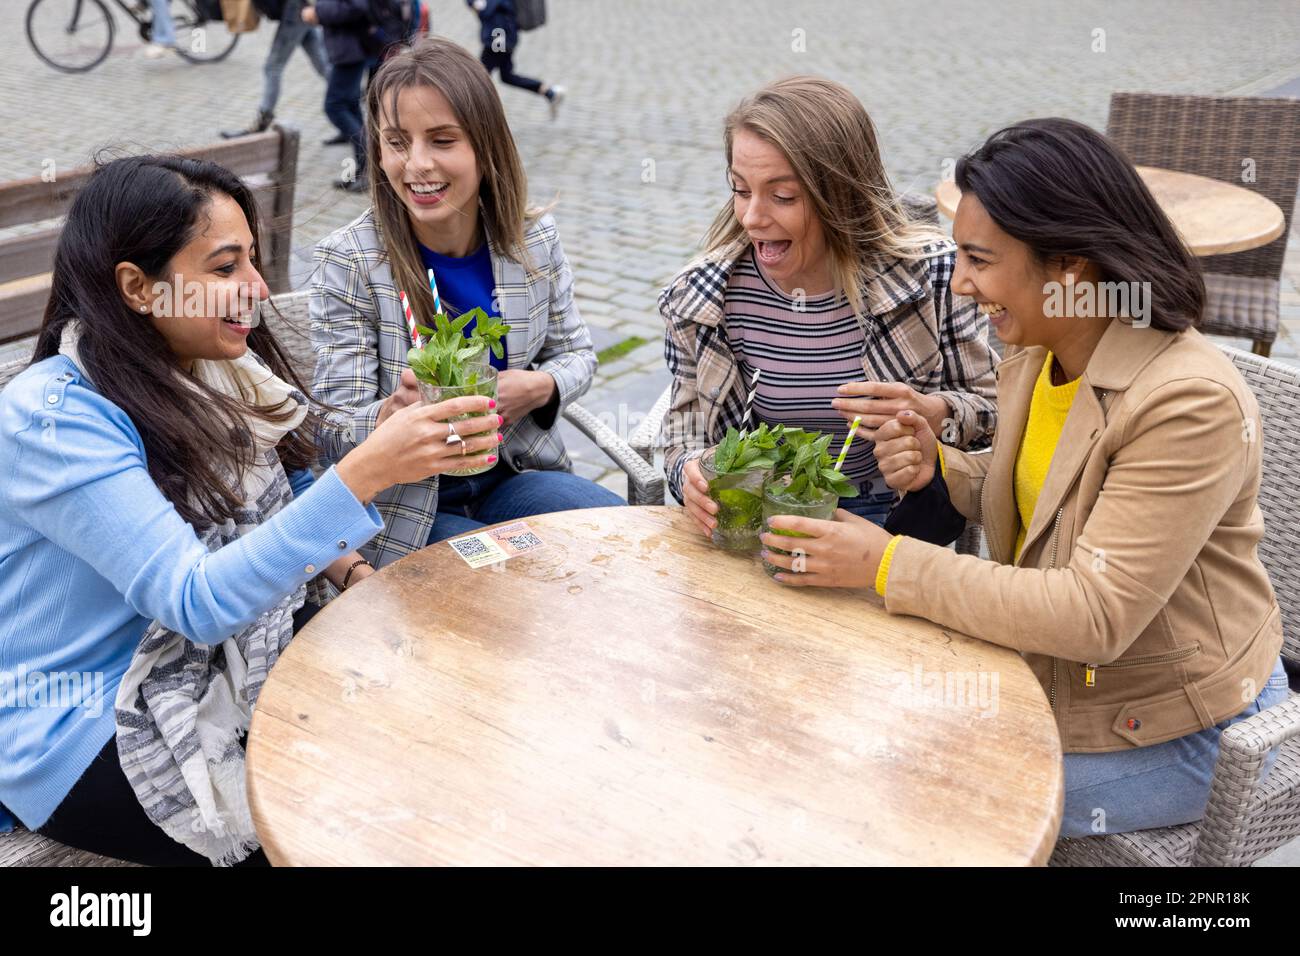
[[449, 357], [735, 471], [805, 483], [451, 364]]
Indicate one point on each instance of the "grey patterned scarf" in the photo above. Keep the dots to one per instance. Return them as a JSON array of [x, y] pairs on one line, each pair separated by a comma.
[[182, 707]]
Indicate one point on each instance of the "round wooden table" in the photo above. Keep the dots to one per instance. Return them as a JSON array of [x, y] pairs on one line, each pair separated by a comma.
[[628, 694], [1212, 216]]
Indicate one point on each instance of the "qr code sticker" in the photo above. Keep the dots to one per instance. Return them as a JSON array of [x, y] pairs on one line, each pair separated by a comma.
[[470, 547], [525, 541]]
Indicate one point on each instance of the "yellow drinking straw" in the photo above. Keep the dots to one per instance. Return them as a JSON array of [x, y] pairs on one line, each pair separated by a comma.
[[857, 420]]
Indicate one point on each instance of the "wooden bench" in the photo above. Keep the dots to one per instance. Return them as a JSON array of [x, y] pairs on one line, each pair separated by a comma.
[[267, 162]]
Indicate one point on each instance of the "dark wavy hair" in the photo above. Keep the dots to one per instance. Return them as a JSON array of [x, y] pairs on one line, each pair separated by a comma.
[[1063, 189], [144, 209]]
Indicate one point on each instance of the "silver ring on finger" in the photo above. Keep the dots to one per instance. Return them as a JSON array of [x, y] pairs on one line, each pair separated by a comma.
[[453, 437]]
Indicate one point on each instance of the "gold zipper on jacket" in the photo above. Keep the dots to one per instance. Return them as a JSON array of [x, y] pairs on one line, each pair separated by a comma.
[[1169, 657], [1056, 534]]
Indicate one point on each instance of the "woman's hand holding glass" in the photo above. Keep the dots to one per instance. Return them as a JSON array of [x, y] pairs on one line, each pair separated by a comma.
[[844, 553], [411, 444], [695, 497]]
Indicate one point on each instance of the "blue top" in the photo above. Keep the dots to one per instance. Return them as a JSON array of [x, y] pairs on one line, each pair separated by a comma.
[[465, 284], [91, 552]]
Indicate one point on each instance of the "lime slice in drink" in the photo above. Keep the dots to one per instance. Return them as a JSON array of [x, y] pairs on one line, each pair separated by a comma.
[[738, 509]]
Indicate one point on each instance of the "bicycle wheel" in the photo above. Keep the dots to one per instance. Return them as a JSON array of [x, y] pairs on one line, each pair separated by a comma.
[[199, 39], [70, 35]]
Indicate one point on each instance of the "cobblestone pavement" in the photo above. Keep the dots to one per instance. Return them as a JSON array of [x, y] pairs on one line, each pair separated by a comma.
[[634, 158], [649, 83]]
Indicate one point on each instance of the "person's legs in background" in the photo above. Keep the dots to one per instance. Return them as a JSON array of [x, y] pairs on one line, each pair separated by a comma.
[[343, 107], [313, 44], [1157, 786], [287, 38], [289, 35], [504, 61], [162, 33]]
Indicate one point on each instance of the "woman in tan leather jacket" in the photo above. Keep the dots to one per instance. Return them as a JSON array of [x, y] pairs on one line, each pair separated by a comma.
[[1119, 500]]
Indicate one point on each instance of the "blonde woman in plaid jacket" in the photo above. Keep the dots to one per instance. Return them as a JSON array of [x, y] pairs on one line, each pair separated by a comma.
[[449, 193], [815, 278]]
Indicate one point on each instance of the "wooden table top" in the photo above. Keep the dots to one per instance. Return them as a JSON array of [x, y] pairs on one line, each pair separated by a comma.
[[1212, 216], [629, 694]]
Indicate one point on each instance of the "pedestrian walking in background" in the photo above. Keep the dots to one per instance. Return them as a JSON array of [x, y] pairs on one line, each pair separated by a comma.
[[162, 35], [291, 34], [350, 45], [499, 32]]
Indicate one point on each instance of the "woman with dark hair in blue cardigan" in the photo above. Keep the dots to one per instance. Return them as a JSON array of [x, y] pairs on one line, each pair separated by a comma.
[[159, 525]]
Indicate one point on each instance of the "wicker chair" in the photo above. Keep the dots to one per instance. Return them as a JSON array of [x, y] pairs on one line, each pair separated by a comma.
[[1212, 136], [1243, 820]]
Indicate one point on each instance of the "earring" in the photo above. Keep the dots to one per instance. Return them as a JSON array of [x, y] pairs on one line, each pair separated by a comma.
[[144, 308]]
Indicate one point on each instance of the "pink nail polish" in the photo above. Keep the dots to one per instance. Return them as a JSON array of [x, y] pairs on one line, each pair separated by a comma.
[[500, 419], [492, 403], [491, 459], [498, 436]]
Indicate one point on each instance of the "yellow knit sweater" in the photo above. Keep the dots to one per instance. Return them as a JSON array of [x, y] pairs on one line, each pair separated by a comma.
[[1047, 413], [1048, 409]]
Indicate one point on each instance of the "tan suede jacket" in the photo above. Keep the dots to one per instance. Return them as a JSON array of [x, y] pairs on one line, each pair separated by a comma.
[[1138, 600]]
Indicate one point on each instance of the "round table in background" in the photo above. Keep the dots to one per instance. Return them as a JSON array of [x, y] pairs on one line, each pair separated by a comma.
[[628, 694], [1212, 216]]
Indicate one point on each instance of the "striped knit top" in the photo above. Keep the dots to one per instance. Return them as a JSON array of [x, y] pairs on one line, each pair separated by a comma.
[[803, 355]]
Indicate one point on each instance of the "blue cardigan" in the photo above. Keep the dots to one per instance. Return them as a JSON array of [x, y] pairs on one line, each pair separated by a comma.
[[91, 552]]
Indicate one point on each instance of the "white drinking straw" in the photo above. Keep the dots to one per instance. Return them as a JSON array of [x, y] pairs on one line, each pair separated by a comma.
[[749, 399]]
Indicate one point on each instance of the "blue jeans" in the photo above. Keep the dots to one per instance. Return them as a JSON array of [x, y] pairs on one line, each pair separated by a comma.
[[289, 35], [503, 494], [1157, 786], [865, 507], [163, 31]]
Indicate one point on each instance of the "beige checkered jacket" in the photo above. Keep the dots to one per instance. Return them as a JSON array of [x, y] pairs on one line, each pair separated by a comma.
[[917, 331], [359, 333]]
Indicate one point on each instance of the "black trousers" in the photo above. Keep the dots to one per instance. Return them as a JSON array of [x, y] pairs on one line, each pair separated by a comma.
[[504, 60], [102, 814]]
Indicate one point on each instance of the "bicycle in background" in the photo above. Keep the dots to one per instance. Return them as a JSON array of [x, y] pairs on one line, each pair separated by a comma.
[[76, 35]]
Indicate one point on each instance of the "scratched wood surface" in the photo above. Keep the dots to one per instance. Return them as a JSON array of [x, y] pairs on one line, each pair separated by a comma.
[[1212, 216], [629, 694]]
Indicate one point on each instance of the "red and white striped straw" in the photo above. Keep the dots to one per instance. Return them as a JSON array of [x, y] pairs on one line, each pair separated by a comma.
[[410, 321]]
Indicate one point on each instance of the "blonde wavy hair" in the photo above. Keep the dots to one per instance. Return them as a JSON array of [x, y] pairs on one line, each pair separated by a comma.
[[450, 69], [825, 134]]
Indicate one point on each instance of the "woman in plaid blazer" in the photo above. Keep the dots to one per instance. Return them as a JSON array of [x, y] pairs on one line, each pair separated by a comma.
[[449, 193], [815, 279]]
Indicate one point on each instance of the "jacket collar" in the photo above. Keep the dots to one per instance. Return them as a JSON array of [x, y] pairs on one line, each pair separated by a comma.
[[1121, 354]]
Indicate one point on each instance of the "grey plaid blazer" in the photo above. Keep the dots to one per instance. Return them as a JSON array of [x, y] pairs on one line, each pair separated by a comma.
[[917, 332], [359, 333]]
